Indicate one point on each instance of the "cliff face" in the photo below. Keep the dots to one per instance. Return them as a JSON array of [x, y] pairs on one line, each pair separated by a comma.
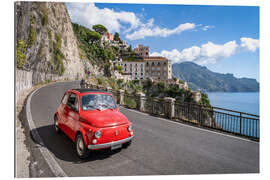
[[46, 47]]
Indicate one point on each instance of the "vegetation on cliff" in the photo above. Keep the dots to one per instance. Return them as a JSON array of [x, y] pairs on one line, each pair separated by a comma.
[[20, 54], [90, 46], [58, 55]]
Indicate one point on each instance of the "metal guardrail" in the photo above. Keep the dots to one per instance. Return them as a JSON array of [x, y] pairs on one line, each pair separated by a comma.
[[227, 120], [235, 122]]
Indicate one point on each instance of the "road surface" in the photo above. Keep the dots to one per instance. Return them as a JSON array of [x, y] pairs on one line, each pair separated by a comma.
[[160, 146]]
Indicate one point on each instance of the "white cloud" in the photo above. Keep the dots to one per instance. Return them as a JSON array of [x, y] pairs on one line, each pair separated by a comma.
[[250, 44], [205, 28], [129, 23], [207, 53], [149, 29], [87, 14]]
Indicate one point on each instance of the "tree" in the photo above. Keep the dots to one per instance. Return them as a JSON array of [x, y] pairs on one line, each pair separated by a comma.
[[117, 36], [100, 29], [93, 36], [129, 48]]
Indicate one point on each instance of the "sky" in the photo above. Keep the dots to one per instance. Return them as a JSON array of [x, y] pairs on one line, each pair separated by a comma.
[[225, 39]]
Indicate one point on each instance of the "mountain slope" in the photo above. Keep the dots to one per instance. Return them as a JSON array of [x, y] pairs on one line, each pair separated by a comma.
[[201, 78]]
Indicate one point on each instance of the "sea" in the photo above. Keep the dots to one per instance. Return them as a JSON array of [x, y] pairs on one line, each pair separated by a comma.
[[247, 102]]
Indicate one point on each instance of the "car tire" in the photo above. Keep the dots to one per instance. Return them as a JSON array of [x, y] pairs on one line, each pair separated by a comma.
[[57, 129], [80, 146], [127, 144]]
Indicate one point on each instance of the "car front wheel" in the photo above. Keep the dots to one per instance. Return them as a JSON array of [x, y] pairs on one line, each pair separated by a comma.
[[127, 144], [56, 124], [81, 149]]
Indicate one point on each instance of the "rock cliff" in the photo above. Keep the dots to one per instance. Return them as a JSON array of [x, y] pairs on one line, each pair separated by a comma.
[[46, 47]]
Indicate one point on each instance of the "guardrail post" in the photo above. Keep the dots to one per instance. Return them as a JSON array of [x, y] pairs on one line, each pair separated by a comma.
[[152, 105], [170, 107], [140, 101], [240, 123], [120, 98]]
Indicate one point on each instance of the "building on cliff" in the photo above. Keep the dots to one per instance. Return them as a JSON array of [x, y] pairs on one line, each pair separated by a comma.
[[157, 68], [142, 50]]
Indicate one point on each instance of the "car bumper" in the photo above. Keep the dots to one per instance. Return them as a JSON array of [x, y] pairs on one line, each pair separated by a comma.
[[110, 144]]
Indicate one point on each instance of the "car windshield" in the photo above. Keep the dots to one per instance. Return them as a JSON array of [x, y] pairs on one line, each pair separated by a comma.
[[98, 101]]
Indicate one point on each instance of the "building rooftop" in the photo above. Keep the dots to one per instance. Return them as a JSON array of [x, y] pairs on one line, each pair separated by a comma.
[[155, 58]]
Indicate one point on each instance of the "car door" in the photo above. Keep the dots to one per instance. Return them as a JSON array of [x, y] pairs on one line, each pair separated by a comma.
[[72, 115], [61, 111]]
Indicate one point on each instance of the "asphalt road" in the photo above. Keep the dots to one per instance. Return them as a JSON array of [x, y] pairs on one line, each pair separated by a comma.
[[160, 146]]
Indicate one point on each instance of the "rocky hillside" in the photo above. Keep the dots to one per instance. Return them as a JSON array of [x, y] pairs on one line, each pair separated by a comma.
[[199, 77], [46, 47]]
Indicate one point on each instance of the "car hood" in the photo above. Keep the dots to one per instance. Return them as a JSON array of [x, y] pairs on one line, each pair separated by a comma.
[[105, 118]]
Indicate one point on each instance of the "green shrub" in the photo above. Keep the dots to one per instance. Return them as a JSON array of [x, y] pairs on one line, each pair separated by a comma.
[[100, 81], [44, 11], [40, 51], [32, 34], [129, 102], [204, 100], [117, 67], [59, 56], [20, 56], [45, 19]]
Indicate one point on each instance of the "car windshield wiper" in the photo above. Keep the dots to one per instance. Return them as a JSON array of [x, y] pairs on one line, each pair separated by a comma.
[[107, 106], [93, 107]]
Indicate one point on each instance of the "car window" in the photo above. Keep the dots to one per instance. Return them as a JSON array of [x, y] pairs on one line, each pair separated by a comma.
[[73, 101], [97, 101], [64, 99]]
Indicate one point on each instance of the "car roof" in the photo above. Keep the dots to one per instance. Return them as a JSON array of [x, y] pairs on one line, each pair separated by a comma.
[[85, 90]]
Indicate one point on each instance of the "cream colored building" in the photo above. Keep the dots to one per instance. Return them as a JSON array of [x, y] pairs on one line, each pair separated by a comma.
[[134, 68], [158, 68]]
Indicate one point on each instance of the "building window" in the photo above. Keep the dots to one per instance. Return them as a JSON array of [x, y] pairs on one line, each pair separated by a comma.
[[153, 64], [165, 63], [158, 64], [153, 68], [141, 74]]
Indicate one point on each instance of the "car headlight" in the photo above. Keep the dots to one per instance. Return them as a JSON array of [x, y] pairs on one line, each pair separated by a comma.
[[98, 134], [130, 128]]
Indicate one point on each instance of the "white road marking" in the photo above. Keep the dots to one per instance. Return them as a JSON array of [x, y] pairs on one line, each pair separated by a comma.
[[181, 124], [54, 166]]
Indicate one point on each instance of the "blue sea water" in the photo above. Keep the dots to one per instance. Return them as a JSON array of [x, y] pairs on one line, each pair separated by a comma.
[[248, 102]]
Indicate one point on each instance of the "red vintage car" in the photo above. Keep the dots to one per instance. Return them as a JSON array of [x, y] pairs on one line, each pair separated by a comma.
[[92, 120]]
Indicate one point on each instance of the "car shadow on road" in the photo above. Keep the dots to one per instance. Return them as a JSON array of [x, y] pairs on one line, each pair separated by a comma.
[[63, 148]]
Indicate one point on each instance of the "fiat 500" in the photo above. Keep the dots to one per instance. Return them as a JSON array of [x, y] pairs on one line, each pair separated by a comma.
[[92, 120]]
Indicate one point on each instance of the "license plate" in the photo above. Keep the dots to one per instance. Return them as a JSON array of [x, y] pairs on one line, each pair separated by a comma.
[[116, 146]]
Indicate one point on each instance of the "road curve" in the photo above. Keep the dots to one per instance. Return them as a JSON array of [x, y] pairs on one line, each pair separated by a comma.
[[160, 146]]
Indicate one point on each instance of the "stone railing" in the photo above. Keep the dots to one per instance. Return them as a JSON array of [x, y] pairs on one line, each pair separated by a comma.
[[237, 123], [156, 106]]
